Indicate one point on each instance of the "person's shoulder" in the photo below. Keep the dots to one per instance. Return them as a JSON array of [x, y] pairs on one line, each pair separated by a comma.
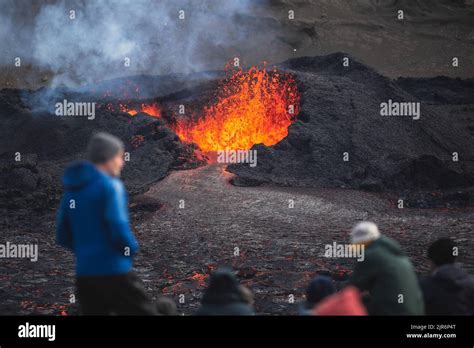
[[385, 247], [470, 281], [426, 281], [374, 254], [111, 185], [116, 183]]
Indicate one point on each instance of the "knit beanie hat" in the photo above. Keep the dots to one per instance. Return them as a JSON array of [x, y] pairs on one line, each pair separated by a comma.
[[441, 251], [102, 147], [364, 232], [319, 288]]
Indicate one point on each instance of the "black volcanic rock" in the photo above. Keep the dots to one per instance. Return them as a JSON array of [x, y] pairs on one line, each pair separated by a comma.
[[46, 143], [442, 90], [340, 113]]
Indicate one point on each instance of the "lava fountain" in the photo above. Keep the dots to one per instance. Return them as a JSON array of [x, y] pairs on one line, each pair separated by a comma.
[[252, 107]]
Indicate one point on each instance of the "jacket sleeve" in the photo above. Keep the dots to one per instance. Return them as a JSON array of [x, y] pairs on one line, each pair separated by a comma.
[[63, 228], [116, 217]]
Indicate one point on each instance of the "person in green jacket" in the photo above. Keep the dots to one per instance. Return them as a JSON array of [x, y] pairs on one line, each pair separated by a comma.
[[385, 274]]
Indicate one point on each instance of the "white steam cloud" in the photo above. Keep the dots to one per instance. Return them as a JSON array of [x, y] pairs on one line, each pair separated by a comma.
[[104, 33]]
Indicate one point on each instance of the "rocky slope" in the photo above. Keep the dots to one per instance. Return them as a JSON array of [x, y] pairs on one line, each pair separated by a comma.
[[340, 115]]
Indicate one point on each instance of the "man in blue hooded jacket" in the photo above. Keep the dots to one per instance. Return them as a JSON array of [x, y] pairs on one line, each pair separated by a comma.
[[93, 222]]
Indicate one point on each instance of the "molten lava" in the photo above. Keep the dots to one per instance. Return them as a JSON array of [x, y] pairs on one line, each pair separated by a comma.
[[252, 107], [152, 109]]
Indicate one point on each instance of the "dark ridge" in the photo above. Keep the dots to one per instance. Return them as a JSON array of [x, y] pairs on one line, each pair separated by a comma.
[[441, 89], [340, 113]]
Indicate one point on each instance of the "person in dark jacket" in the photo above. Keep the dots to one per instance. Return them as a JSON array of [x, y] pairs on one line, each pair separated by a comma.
[[449, 290], [92, 222], [224, 296], [386, 274], [319, 288], [166, 306]]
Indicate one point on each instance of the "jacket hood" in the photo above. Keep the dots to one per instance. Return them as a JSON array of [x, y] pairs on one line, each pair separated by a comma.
[[79, 174], [389, 245], [451, 275]]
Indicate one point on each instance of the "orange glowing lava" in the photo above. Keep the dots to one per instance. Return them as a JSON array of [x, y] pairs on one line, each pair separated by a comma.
[[251, 107], [152, 109]]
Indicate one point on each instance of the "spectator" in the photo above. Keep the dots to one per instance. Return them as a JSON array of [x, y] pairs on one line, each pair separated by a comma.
[[224, 296], [319, 288], [449, 290], [386, 274], [93, 223], [166, 306]]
